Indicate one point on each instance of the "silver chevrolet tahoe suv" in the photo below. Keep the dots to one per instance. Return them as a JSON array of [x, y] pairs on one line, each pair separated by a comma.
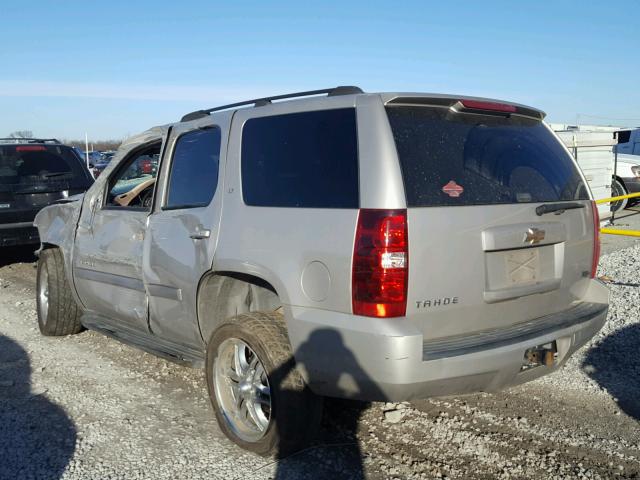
[[386, 246]]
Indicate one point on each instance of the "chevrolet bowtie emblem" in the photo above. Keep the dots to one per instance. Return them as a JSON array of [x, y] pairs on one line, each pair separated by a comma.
[[533, 236]]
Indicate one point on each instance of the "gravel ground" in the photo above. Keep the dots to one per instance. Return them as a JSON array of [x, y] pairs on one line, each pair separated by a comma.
[[88, 407]]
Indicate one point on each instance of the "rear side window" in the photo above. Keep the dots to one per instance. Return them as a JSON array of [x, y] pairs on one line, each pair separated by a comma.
[[624, 136], [305, 159], [450, 158], [194, 169]]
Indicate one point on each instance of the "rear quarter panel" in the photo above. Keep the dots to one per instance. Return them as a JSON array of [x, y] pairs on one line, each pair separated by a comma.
[[304, 253]]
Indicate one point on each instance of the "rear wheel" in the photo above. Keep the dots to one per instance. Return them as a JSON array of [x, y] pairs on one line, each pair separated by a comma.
[[259, 397], [58, 313], [617, 189]]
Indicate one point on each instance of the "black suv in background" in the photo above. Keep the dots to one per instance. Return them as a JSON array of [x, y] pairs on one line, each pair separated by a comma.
[[35, 173]]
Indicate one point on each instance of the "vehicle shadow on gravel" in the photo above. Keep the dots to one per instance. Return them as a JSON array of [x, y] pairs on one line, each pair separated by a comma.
[[21, 254], [336, 452], [37, 438], [615, 364]]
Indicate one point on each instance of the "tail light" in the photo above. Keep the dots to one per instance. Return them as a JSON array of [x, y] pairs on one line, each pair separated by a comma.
[[380, 264], [596, 239]]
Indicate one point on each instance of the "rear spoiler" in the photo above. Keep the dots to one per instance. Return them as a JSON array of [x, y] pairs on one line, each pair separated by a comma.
[[476, 105]]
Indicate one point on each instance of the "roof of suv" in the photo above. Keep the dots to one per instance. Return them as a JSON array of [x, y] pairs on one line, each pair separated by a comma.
[[434, 99], [23, 140]]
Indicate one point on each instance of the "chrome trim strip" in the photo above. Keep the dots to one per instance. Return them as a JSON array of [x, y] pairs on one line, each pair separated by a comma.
[[163, 291], [109, 278], [498, 337], [510, 237]]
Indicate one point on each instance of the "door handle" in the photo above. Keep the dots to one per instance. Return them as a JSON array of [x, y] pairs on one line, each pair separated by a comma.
[[200, 234], [85, 227]]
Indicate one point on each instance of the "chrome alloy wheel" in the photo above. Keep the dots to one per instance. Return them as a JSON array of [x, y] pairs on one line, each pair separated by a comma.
[[43, 294], [242, 390]]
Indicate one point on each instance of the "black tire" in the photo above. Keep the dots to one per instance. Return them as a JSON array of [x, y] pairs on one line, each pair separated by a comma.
[[295, 412], [62, 315], [617, 189]]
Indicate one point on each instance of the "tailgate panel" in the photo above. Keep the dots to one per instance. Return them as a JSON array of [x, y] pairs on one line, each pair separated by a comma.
[[480, 256], [459, 283]]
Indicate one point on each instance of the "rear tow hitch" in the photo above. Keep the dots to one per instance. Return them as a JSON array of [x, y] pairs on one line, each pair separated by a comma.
[[539, 355]]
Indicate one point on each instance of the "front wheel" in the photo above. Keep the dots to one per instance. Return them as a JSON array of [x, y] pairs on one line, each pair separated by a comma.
[[260, 399], [58, 313], [617, 189]]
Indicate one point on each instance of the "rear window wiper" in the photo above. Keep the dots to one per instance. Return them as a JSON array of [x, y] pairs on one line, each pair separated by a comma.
[[55, 174], [557, 207]]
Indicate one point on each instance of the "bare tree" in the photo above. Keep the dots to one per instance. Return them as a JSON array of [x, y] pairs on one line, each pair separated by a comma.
[[21, 134]]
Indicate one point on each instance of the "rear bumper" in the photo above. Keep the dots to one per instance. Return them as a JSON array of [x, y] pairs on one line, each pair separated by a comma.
[[21, 233], [395, 365]]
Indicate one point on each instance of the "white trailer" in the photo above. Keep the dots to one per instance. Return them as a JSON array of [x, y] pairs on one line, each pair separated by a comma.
[[593, 148]]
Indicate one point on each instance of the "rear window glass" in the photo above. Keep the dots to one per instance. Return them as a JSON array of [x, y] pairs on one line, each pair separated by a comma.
[[37, 164], [305, 159], [450, 158]]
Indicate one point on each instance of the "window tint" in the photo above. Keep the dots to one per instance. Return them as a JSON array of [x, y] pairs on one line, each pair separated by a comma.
[[23, 167], [624, 136], [133, 183], [305, 159], [450, 158], [194, 169]]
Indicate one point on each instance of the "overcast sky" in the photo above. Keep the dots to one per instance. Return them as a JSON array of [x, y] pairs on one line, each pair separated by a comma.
[[114, 68]]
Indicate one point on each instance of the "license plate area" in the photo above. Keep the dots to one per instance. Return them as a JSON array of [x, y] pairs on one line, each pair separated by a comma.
[[522, 266], [524, 271]]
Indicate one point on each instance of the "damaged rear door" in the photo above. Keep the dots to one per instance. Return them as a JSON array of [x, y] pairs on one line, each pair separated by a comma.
[[183, 228]]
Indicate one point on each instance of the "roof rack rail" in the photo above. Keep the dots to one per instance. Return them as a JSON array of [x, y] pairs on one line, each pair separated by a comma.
[[259, 102], [29, 140]]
